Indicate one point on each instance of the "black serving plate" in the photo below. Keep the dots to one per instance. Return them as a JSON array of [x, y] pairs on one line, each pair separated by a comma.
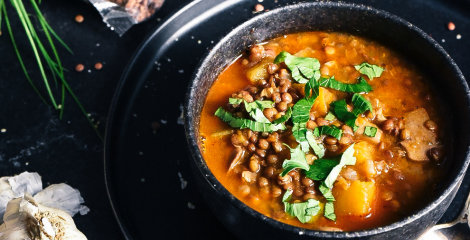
[[149, 181]]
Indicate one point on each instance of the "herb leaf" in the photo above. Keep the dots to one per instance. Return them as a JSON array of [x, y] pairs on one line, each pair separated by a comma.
[[302, 68], [318, 148], [299, 131], [301, 110], [255, 109], [328, 130], [304, 211], [297, 160], [370, 131], [247, 123], [361, 86], [370, 70], [285, 117], [340, 109], [346, 159], [320, 169], [330, 116], [301, 113], [235, 101], [361, 104], [327, 192], [330, 211]]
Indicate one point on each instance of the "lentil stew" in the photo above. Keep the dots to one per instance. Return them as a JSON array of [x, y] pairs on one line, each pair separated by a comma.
[[324, 131]]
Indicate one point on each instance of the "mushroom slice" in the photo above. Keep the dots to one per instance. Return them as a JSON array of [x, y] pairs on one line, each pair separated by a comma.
[[421, 138], [239, 157]]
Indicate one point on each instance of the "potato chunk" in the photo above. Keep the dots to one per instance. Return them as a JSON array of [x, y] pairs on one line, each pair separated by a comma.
[[363, 151], [362, 123], [322, 103], [357, 200], [259, 71]]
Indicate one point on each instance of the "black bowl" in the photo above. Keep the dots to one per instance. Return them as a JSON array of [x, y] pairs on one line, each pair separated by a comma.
[[383, 27]]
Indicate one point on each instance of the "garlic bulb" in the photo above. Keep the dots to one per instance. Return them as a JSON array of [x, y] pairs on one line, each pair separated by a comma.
[[25, 219], [46, 216]]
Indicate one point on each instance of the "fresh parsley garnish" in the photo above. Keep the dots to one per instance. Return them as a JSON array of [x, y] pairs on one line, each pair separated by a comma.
[[327, 171], [242, 123], [360, 104], [235, 101], [304, 211], [370, 70], [361, 86], [301, 113], [285, 117], [330, 211], [327, 192], [297, 160], [330, 116], [302, 68], [254, 109], [347, 158], [328, 130], [320, 169], [318, 148], [370, 131]]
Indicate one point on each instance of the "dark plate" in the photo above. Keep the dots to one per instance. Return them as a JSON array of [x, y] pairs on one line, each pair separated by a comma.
[[147, 175]]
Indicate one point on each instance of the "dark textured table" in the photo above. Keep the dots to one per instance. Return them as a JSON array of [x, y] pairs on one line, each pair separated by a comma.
[[68, 150]]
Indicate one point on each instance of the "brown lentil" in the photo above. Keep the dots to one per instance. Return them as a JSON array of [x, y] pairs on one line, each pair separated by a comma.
[[98, 66], [330, 140], [80, 67], [79, 18], [451, 26]]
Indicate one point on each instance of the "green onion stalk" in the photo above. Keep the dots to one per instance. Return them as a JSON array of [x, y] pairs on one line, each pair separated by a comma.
[[47, 60]]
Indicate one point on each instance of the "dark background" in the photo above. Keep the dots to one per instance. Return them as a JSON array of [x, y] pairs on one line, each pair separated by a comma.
[[68, 150]]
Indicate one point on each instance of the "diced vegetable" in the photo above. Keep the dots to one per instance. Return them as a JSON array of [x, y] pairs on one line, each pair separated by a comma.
[[258, 72], [322, 104], [363, 151], [357, 200]]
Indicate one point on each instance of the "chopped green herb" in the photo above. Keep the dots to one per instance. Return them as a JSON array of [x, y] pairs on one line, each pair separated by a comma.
[[255, 109], [320, 169], [235, 101], [330, 116], [318, 148], [370, 70], [247, 123], [370, 131], [361, 104], [347, 158], [330, 211], [299, 131], [301, 113], [285, 117], [302, 68], [328, 130], [297, 160], [327, 192], [340, 108], [361, 86], [304, 211], [301, 110]]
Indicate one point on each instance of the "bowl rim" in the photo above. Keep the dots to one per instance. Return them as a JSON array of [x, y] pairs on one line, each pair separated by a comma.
[[207, 174]]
